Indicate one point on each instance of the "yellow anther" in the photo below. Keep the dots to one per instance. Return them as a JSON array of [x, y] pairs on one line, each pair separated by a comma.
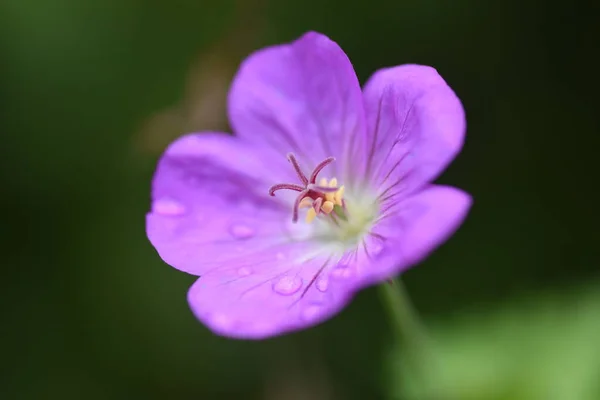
[[329, 199], [327, 207], [337, 196], [331, 196], [305, 202], [310, 215]]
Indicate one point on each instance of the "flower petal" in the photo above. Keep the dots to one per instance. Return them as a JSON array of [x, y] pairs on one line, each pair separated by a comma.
[[416, 126], [304, 98], [269, 294], [406, 235], [210, 204]]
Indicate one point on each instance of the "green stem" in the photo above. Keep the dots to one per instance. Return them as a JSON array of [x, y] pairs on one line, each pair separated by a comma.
[[408, 329]]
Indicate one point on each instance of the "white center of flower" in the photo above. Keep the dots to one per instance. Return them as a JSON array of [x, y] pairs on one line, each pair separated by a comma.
[[346, 225], [334, 216]]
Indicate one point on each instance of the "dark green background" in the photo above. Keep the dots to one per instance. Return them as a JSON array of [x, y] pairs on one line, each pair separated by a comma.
[[90, 311]]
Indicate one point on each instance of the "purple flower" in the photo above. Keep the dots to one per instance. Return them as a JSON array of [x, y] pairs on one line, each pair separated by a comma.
[[324, 190]]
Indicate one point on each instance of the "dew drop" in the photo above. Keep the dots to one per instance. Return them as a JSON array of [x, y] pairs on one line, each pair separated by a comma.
[[244, 271], [168, 207], [311, 312], [288, 285], [323, 284], [341, 271], [376, 249], [241, 231]]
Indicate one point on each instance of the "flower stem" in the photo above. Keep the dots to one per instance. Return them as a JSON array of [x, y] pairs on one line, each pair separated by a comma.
[[413, 342]]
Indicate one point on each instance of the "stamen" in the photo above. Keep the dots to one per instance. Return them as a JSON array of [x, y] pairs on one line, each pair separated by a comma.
[[337, 197], [318, 198], [318, 168], [317, 205], [327, 207], [292, 158], [306, 202], [310, 215], [281, 186]]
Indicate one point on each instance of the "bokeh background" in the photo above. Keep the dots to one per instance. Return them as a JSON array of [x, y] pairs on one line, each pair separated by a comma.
[[92, 91]]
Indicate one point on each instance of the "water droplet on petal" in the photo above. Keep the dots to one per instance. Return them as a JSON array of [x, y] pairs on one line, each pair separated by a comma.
[[341, 271], [168, 207], [376, 249], [288, 285], [323, 284], [311, 312], [244, 271], [241, 231]]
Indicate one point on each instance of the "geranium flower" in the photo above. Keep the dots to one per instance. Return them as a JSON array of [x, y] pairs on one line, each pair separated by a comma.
[[323, 190]]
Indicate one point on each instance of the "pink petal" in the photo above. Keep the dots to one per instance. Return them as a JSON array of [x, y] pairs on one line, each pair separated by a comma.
[[270, 294], [304, 98], [210, 204], [416, 126], [407, 233]]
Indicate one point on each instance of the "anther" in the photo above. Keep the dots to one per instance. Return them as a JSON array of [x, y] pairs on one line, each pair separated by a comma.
[[327, 207], [306, 202], [339, 195], [310, 215], [317, 205]]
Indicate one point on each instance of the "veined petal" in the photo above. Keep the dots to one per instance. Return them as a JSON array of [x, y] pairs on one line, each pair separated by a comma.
[[269, 294], [210, 205], [260, 275], [407, 234], [416, 126], [304, 98]]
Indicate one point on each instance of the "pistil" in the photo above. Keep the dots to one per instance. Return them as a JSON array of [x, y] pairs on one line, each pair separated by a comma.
[[322, 197]]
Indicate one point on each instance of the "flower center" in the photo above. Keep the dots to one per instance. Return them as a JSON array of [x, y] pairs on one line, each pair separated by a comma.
[[322, 198], [340, 221]]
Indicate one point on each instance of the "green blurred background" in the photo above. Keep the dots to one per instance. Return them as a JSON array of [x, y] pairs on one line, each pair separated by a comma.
[[92, 91]]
